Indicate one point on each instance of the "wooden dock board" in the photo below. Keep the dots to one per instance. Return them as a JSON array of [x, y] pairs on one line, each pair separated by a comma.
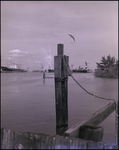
[[27, 140], [95, 119]]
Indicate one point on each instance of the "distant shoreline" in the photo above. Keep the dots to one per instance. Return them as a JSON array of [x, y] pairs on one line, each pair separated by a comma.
[[111, 73]]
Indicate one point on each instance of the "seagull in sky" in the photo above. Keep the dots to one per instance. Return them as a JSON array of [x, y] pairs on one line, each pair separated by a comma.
[[71, 36]]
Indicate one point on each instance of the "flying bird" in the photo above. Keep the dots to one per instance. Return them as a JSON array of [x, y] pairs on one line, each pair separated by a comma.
[[71, 36]]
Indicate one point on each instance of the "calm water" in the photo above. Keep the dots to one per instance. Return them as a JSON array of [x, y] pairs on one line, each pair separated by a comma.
[[28, 105]]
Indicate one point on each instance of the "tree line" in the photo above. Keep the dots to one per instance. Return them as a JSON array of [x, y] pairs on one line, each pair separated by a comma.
[[108, 67]]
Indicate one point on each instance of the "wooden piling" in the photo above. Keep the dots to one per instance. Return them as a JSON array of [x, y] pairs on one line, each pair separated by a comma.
[[27, 140], [91, 132], [65, 92], [61, 92], [61, 130]]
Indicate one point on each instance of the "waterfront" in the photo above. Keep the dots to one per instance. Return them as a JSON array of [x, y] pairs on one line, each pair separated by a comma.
[[28, 105]]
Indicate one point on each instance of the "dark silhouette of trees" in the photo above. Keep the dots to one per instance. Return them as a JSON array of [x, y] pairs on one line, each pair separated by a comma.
[[107, 62], [108, 67]]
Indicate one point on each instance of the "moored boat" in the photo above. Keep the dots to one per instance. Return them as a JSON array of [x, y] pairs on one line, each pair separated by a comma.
[[83, 71], [7, 69]]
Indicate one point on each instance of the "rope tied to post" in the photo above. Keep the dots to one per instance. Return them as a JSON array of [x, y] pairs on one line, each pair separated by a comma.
[[95, 95]]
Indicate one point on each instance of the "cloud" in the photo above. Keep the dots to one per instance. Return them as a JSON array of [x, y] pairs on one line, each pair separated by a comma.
[[14, 51], [17, 51]]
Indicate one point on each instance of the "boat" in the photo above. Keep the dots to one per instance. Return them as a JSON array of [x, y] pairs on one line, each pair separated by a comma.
[[13, 68], [6, 69], [83, 71], [50, 70]]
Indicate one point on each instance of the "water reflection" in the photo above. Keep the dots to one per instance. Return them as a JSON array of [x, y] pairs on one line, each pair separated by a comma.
[[43, 80]]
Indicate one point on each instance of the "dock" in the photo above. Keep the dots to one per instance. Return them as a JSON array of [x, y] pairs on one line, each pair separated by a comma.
[[85, 135], [26, 140]]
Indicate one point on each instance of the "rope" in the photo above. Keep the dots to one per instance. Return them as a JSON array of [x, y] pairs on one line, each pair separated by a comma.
[[95, 95]]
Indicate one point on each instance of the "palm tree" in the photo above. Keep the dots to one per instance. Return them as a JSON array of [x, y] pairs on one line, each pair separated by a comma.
[[106, 62]]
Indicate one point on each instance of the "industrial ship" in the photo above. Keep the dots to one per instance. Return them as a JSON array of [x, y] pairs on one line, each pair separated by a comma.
[[12, 68]]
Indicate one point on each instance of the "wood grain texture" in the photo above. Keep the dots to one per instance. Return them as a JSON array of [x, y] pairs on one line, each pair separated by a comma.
[[95, 119], [26, 140]]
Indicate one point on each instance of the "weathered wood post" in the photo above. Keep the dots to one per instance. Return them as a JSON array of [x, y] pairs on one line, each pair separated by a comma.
[[61, 88]]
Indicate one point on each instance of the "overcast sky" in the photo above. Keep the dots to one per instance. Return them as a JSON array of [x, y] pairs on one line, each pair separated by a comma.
[[31, 30]]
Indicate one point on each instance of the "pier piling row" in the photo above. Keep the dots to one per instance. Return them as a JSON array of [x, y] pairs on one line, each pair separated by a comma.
[[26, 140]]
